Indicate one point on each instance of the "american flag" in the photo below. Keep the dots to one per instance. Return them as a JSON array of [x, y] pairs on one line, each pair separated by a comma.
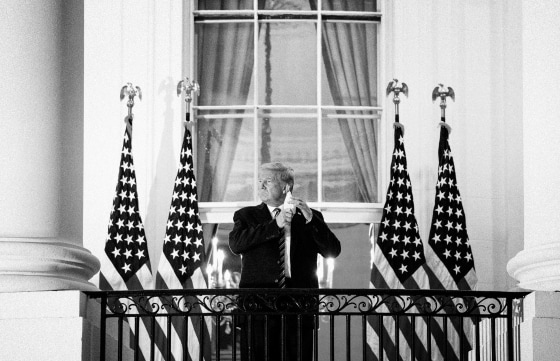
[[450, 257], [398, 259], [181, 264], [127, 265], [448, 233], [401, 252], [399, 262], [126, 245]]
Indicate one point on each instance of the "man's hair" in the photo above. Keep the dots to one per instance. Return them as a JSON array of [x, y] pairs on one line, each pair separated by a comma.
[[286, 174]]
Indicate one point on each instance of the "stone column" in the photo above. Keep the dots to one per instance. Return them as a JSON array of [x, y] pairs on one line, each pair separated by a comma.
[[41, 129], [537, 266], [41, 167]]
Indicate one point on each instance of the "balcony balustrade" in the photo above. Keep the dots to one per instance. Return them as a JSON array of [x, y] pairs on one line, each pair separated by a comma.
[[342, 324]]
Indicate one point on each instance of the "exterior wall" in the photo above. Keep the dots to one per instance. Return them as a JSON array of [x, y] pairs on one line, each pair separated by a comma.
[[49, 332], [139, 42], [473, 47]]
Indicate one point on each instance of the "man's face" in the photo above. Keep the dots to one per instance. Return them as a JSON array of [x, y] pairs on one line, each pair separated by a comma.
[[271, 188]]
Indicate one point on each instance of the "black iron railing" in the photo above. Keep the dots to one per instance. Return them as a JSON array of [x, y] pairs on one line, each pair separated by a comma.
[[325, 324]]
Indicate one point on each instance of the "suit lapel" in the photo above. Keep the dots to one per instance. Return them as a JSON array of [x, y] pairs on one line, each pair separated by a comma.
[[262, 212]]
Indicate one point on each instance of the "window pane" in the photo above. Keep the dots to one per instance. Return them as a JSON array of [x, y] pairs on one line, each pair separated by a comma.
[[350, 165], [225, 5], [290, 5], [293, 141], [225, 159], [349, 5], [289, 51], [225, 63], [350, 61]]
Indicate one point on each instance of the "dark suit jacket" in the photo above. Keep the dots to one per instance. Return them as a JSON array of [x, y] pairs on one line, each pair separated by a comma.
[[255, 237]]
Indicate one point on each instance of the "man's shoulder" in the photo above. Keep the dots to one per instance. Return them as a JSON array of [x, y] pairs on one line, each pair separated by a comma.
[[251, 209], [316, 213]]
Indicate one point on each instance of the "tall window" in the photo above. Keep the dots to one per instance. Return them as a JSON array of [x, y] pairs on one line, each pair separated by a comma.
[[294, 81]]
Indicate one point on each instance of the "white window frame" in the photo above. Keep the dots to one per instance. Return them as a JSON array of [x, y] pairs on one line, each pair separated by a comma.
[[333, 212]]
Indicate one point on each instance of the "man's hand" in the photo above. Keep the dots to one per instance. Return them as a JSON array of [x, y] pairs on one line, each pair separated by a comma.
[[300, 203], [284, 217]]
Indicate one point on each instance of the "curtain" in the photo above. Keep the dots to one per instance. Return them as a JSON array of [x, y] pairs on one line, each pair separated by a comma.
[[349, 55], [225, 68], [224, 71]]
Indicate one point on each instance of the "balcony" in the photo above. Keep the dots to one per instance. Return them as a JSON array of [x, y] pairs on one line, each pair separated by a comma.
[[350, 324]]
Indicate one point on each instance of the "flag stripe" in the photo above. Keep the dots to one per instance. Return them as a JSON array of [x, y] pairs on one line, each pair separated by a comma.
[[438, 334], [144, 338], [179, 326], [450, 261], [398, 254], [182, 257], [399, 262], [405, 324], [127, 263]]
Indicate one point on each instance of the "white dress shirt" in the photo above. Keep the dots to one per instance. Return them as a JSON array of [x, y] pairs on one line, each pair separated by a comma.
[[287, 244]]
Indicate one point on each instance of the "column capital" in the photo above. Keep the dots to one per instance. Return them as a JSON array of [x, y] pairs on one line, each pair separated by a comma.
[[39, 264], [537, 268]]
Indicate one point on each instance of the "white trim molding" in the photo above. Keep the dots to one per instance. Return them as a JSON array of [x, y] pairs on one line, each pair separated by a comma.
[[537, 268], [39, 264]]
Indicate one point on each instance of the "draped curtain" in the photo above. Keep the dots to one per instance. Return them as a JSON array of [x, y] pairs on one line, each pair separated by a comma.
[[352, 78], [224, 70], [225, 67]]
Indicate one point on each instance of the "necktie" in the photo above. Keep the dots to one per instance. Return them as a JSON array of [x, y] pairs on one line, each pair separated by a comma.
[[281, 260]]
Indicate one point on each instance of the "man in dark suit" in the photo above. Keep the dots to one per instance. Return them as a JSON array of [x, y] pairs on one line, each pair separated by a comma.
[[261, 234]]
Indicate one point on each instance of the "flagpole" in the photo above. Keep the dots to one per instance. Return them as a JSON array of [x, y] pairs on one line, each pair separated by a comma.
[[442, 93], [131, 91], [188, 87], [394, 88]]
